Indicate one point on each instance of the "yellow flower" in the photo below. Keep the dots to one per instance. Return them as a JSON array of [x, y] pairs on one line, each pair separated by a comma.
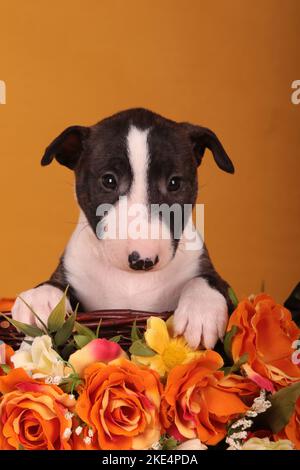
[[170, 352], [255, 443]]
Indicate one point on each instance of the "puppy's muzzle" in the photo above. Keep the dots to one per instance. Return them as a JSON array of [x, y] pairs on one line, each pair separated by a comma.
[[137, 263]]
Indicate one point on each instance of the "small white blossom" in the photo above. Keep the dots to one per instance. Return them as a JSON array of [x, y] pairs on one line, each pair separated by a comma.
[[69, 415], [87, 440], [78, 430], [233, 445], [57, 379], [251, 414], [67, 433], [156, 446], [71, 396], [90, 433], [237, 436], [242, 423], [260, 404]]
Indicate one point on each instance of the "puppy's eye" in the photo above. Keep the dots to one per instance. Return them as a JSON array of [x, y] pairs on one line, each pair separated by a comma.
[[174, 183], [109, 181]]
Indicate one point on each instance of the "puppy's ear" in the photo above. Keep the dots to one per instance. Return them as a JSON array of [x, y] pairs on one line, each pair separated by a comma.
[[67, 147], [203, 138]]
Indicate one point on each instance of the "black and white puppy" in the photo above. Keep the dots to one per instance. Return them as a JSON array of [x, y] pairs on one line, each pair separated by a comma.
[[150, 160]]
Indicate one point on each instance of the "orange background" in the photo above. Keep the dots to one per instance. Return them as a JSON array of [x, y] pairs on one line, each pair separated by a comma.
[[227, 65]]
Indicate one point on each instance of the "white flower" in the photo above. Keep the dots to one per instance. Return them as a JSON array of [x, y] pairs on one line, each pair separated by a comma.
[[78, 430], [67, 433], [40, 359], [192, 444], [71, 396], [87, 440], [255, 443], [90, 433]]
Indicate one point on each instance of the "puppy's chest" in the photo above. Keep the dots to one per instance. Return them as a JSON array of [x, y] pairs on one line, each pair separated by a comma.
[[99, 286]]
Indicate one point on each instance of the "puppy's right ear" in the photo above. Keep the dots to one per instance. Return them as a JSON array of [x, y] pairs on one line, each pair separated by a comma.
[[67, 147]]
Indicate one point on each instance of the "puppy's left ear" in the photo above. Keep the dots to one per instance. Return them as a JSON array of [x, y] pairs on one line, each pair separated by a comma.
[[203, 138], [67, 147]]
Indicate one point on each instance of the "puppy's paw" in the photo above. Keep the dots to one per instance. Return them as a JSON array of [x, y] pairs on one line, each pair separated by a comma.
[[42, 300], [201, 315]]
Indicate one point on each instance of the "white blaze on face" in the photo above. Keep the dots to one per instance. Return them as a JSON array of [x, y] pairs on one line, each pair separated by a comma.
[[131, 215], [138, 154]]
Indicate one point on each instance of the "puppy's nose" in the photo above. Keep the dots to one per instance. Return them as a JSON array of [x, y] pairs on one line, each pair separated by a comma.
[[138, 263]]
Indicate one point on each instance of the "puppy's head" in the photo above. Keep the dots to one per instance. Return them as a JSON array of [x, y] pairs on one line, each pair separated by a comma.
[[130, 169]]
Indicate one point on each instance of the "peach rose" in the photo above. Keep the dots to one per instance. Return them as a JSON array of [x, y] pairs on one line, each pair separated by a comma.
[[292, 429], [120, 404], [33, 416], [97, 350], [200, 400], [266, 332]]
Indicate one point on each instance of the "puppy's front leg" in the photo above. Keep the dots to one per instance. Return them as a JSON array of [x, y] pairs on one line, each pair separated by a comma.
[[41, 299], [201, 315]]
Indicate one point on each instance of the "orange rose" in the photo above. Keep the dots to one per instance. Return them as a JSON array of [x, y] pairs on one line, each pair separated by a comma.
[[5, 354], [292, 429], [266, 332], [120, 403], [33, 415], [6, 304], [200, 400]]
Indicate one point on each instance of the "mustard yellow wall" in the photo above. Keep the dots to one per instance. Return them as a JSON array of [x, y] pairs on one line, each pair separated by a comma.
[[228, 65]]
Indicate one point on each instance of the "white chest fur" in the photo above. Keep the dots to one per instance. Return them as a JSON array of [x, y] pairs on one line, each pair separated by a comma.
[[99, 285]]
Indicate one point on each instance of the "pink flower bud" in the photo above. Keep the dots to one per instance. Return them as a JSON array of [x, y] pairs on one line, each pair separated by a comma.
[[97, 350]]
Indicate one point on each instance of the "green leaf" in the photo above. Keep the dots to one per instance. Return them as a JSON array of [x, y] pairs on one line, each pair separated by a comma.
[[28, 330], [233, 297], [135, 333], [98, 328], [139, 348], [228, 340], [65, 332], [283, 405], [169, 443], [82, 340], [115, 339], [237, 365], [5, 367], [68, 350], [85, 331], [58, 314]]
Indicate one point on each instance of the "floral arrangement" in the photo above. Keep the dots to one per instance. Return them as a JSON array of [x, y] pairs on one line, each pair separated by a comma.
[[67, 388]]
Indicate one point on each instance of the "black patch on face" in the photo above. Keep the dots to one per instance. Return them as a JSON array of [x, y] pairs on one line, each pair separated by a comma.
[[105, 153], [172, 160]]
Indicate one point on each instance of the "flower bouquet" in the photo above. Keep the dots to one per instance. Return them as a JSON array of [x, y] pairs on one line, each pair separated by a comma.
[[70, 386]]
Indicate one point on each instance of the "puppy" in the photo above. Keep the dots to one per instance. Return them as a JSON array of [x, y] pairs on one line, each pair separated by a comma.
[[147, 160]]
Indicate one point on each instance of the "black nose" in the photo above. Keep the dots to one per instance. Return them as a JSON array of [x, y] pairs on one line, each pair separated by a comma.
[[138, 263]]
